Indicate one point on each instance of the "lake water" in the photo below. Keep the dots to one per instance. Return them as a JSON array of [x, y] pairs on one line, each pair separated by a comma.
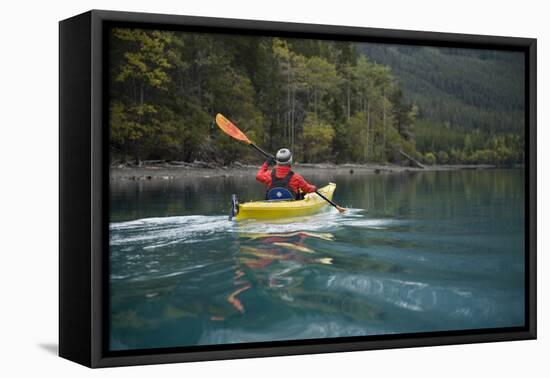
[[416, 252]]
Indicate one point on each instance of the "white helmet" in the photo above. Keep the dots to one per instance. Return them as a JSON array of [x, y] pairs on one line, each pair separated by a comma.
[[283, 157]]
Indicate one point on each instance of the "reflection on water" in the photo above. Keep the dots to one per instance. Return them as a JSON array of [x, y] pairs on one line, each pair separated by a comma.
[[288, 250], [424, 252]]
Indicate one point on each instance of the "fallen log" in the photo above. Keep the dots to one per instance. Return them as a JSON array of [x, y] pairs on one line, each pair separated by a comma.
[[415, 162], [152, 162]]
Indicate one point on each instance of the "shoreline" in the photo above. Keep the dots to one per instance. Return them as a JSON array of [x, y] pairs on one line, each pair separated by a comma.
[[166, 171]]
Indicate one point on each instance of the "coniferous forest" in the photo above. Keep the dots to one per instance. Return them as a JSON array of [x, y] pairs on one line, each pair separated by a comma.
[[328, 101]]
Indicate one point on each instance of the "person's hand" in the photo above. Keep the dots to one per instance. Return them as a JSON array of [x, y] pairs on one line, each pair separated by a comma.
[[271, 161]]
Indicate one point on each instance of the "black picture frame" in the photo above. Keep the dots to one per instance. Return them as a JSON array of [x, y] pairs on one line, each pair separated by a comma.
[[84, 189]]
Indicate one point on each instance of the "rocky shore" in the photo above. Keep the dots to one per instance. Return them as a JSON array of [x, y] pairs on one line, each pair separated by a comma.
[[156, 170]]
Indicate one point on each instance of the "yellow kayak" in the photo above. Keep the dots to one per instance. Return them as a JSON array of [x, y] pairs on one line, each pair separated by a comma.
[[311, 204]]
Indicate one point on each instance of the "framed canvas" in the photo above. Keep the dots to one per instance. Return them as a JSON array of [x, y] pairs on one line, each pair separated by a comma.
[[234, 188]]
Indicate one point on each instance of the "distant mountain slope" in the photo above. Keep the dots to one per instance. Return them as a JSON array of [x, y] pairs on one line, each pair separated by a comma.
[[462, 88]]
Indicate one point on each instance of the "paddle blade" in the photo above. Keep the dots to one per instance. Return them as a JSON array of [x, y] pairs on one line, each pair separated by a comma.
[[340, 209], [230, 129]]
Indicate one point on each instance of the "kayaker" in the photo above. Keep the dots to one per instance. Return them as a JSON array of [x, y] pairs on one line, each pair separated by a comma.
[[282, 183]]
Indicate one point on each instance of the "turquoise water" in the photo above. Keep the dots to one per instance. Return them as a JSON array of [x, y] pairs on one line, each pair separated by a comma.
[[416, 252]]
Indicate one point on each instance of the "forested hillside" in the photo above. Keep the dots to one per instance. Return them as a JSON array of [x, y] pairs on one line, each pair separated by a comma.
[[327, 101], [469, 100]]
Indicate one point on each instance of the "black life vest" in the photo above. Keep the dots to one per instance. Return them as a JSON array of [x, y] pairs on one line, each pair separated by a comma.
[[280, 188]]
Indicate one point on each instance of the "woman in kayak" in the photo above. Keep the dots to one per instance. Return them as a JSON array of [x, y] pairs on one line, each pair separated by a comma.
[[282, 183]]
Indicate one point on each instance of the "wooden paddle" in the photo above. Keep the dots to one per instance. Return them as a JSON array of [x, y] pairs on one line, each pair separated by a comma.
[[232, 130]]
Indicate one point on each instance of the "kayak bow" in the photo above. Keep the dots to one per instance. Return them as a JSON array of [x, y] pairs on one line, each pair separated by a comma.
[[311, 204]]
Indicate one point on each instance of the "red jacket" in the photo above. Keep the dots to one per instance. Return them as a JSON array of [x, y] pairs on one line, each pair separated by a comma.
[[296, 183]]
